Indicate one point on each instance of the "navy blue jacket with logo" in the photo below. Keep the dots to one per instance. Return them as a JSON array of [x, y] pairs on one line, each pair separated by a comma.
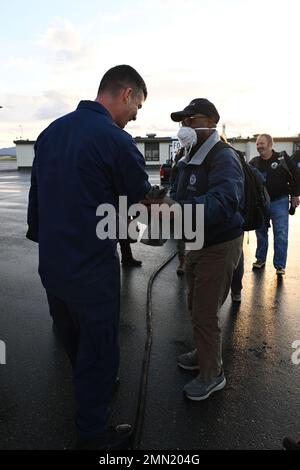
[[81, 160], [221, 190]]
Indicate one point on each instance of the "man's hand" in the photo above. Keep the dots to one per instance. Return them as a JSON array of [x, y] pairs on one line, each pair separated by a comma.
[[165, 200], [156, 192], [295, 201], [157, 195]]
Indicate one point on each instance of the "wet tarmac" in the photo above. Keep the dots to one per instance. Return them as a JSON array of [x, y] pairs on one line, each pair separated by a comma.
[[258, 407]]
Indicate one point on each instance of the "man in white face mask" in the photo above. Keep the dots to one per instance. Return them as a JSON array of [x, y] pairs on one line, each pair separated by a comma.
[[196, 128], [211, 175]]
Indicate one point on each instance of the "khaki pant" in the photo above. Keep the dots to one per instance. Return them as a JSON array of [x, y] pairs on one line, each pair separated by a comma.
[[209, 274]]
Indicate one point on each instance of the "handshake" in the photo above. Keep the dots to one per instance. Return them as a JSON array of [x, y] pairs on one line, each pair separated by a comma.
[[157, 195]]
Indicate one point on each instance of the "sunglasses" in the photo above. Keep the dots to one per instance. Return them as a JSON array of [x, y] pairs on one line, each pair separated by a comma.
[[186, 122]]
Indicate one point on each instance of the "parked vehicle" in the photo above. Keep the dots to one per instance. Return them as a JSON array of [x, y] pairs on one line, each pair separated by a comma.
[[165, 172]]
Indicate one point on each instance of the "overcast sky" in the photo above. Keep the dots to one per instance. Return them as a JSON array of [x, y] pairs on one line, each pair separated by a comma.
[[242, 55]]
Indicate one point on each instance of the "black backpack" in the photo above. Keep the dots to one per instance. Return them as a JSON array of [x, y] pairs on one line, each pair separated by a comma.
[[296, 158], [257, 199]]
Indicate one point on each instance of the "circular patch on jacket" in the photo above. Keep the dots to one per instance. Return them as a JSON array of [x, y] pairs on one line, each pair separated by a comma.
[[193, 180], [274, 165], [298, 165]]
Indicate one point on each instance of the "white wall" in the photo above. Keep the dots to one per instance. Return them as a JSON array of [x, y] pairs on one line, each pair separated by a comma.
[[280, 146], [25, 155], [141, 147], [164, 151]]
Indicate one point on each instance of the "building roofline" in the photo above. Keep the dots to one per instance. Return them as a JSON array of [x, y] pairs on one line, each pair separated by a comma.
[[292, 138], [138, 139], [22, 141], [153, 139]]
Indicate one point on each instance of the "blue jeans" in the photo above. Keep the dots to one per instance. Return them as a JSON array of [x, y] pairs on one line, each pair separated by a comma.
[[279, 215]]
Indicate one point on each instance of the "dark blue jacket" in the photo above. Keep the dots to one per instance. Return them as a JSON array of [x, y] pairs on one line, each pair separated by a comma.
[[81, 160], [220, 188]]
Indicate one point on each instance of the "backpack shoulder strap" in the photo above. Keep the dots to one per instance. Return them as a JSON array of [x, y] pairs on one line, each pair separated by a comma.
[[284, 164], [213, 152]]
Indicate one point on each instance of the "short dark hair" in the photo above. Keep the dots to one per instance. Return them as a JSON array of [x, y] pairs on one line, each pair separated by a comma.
[[120, 77], [268, 138]]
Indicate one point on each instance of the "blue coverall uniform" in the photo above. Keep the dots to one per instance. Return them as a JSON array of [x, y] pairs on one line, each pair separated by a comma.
[[83, 160]]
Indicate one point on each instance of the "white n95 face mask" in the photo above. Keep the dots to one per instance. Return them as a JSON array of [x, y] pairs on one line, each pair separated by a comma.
[[187, 136]]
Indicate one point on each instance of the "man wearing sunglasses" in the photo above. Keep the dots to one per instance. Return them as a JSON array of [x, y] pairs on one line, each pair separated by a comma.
[[211, 175]]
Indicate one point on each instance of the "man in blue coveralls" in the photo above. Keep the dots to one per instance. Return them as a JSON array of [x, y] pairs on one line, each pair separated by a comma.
[[82, 160]]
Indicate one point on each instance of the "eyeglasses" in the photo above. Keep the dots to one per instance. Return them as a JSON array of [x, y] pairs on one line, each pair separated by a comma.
[[186, 122]]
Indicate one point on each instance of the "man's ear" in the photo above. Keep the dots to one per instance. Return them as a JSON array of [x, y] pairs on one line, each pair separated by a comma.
[[127, 94]]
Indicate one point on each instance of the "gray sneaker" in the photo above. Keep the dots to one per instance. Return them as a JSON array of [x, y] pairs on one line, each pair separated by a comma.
[[258, 264], [188, 361], [197, 390]]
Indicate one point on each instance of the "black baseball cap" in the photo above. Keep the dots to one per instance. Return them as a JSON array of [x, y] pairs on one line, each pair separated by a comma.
[[198, 105]]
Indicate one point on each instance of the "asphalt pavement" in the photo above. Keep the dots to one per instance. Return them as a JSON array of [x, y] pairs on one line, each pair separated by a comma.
[[257, 408]]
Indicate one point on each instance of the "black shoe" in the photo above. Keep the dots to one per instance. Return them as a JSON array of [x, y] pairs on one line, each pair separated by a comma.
[[131, 262], [117, 438], [290, 444]]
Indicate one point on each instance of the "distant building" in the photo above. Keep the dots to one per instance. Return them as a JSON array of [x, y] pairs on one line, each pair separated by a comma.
[[158, 150], [25, 153]]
